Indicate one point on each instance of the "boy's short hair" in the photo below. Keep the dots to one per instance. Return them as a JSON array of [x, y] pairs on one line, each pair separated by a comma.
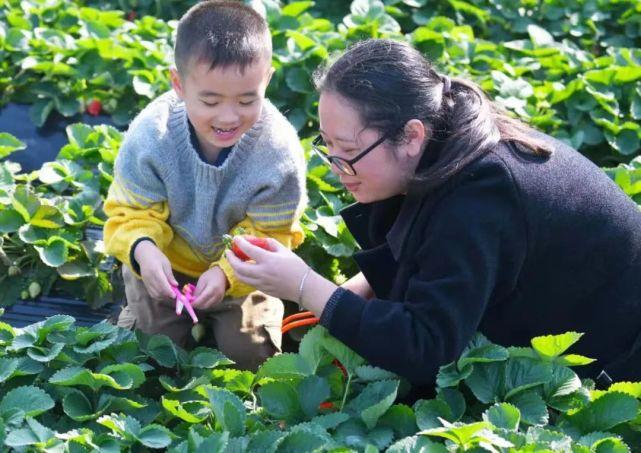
[[223, 34]]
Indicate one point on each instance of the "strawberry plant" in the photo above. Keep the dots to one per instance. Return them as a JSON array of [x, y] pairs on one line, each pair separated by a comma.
[[69, 388]]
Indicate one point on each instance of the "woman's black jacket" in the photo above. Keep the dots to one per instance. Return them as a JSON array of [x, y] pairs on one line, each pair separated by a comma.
[[514, 246]]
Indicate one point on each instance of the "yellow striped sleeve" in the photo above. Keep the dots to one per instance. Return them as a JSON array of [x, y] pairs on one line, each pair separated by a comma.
[[129, 219]]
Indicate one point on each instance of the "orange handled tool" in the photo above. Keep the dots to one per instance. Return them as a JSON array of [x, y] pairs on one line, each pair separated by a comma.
[[304, 318]]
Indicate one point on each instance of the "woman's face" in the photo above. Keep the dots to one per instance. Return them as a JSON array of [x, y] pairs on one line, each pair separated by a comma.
[[383, 172]]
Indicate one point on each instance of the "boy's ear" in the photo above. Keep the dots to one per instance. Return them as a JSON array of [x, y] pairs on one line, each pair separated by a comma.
[[176, 84], [270, 73]]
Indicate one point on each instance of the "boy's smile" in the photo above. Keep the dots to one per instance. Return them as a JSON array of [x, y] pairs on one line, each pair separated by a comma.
[[222, 103]]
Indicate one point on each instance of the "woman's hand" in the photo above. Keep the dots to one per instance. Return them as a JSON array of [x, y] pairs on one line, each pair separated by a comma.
[[277, 272]]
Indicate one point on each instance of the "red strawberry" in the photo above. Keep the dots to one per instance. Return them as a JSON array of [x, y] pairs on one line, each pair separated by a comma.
[[131, 15], [258, 242], [326, 405], [94, 107]]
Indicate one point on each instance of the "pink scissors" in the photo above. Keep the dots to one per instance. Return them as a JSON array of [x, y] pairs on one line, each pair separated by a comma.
[[184, 299]]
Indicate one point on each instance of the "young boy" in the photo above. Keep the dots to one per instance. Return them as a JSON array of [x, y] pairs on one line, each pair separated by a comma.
[[198, 162]]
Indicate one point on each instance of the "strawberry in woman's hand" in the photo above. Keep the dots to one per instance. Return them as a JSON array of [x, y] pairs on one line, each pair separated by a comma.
[[254, 240]]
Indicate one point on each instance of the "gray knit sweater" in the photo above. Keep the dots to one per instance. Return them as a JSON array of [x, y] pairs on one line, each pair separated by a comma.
[[261, 182]]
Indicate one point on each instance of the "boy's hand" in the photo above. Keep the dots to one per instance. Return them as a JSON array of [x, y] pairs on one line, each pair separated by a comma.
[[210, 288], [155, 270]]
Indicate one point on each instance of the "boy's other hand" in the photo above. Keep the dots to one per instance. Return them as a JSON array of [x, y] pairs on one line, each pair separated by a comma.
[[155, 270], [210, 288]]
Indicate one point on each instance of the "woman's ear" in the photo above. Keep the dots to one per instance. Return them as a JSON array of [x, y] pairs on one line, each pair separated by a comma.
[[415, 136], [176, 84]]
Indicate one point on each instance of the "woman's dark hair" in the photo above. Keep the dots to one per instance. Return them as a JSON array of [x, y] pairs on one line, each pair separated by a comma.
[[390, 83]]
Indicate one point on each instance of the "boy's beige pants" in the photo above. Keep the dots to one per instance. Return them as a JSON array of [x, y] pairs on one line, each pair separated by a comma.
[[246, 330]]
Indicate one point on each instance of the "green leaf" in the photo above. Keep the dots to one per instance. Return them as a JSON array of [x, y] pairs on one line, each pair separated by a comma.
[[300, 440], [563, 382], [55, 253], [503, 415], [523, 373], [483, 354], [539, 36], [76, 405], [228, 409], [285, 366], [375, 399], [162, 350], [35, 434], [9, 144], [606, 412], [310, 347], [455, 400], [207, 358], [532, 407], [298, 80], [76, 376], [25, 202], [31, 400], [280, 400], [487, 381], [429, 413], [368, 373], [348, 358], [416, 444], [125, 372], [552, 346], [401, 419], [450, 376], [10, 221], [155, 436], [312, 391], [189, 411], [40, 110]]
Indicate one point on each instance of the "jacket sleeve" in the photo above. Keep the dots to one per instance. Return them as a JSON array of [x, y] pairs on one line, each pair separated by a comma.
[[473, 242]]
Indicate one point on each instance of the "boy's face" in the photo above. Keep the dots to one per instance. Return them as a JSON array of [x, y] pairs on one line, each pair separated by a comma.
[[222, 103]]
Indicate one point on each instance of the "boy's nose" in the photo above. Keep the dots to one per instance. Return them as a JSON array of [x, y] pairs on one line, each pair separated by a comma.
[[228, 117]]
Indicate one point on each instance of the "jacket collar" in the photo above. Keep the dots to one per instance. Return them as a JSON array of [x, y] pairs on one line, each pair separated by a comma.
[[397, 235]]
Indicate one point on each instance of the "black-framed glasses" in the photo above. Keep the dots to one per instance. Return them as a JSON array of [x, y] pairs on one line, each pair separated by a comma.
[[345, 166]]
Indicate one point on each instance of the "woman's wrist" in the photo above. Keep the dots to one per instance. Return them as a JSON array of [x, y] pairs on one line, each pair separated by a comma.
[[315, 293]]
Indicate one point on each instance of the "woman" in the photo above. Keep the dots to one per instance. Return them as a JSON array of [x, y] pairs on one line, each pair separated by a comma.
[[468, 220]]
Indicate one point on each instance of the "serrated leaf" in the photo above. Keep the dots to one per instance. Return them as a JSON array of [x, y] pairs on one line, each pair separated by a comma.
[[551, 346], [31, 400], [450, 376], [523, 373], [487, 381], [285, 366], [416, 444], [197, 413], [154, 436], [312, 391], [604, 413], [228, 409], [330, 421], [532, 407], [454, 399], [373, 401], [368, 373], [280, 400], [429, 413], [503, 415]]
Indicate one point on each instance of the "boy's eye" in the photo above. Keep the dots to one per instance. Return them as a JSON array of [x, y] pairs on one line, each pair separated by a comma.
[[210, 104], [247, 102]]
